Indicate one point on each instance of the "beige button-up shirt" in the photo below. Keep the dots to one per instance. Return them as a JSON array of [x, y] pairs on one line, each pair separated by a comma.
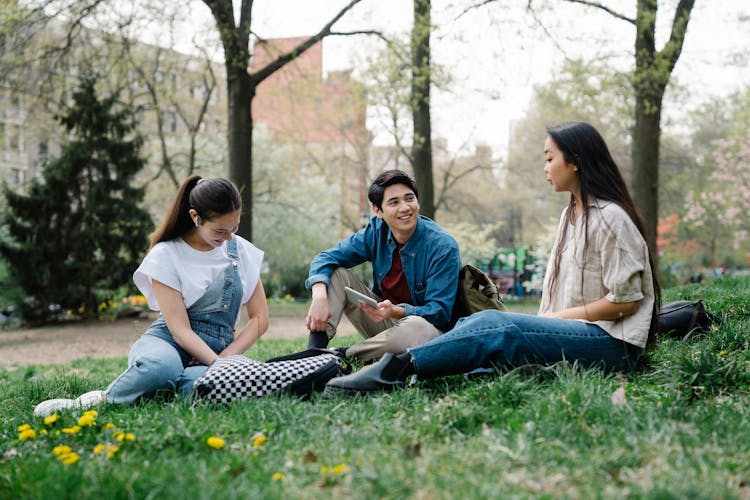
[[615, 265]]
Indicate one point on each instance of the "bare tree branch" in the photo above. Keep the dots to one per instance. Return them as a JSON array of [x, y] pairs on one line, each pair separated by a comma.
[[472, 7], [597, 5], [283, 59]]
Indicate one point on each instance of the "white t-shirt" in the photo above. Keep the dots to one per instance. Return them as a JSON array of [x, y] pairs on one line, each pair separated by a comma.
[[191, 271]]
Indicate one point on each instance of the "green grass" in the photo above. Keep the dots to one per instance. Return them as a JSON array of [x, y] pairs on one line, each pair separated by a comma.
[[682, 433], [287, 308]]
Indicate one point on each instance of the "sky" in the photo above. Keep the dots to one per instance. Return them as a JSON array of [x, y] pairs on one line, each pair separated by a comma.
[[497, 55]]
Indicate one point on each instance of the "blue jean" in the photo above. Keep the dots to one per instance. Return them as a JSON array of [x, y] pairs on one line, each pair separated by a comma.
[[490, 339], [157, 362]]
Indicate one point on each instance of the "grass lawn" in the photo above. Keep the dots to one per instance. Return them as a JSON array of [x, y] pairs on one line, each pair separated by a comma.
[[681, 432]]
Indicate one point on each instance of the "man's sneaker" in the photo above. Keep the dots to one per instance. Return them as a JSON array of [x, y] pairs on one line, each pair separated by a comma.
[[91, 398]]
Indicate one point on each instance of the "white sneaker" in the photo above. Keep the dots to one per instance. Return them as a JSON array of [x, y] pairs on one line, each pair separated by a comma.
[[91, 398], [46, 408]]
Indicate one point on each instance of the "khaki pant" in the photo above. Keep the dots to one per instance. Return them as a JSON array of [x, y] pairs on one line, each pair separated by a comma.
[[389, 335]]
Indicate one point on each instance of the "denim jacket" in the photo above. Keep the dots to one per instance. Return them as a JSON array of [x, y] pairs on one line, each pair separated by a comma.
[[430, 259]]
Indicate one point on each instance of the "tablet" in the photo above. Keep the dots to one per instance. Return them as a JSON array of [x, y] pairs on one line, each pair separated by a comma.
[[354, 296]]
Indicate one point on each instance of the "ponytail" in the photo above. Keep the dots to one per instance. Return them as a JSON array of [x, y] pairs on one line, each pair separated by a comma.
[[209, 197]]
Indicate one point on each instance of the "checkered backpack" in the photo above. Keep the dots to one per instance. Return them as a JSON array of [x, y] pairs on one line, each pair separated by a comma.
[[238, 377]]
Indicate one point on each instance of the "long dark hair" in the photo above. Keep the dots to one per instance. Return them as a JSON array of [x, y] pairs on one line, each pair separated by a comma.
[[209, 197], [599, 178]]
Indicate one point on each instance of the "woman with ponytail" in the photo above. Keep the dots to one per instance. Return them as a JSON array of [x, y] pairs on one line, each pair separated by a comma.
[[599, 295], [198, 274]]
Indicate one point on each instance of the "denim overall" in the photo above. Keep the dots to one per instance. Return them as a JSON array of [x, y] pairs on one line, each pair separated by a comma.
[[156, 362]]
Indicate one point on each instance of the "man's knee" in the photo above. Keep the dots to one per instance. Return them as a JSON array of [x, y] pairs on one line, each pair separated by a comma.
[[340, 274], [417, 326], [411, 331]]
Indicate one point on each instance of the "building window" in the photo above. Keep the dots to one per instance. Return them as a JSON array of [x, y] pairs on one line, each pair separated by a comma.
[[43, 150], [170, 121], [14, 137], [18, 176]]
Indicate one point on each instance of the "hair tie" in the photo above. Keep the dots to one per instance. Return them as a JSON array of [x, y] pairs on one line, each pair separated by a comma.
[[200, 180]]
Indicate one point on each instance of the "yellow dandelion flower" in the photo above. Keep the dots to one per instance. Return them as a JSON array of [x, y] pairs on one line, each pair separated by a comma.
[[26, 434], [69, 458], [99, 448], [112, 450], [324, 470], [102, 306], [278, 476], [258, 441], [72, 430], [42, 432], [340, 469], [61, 449], [108, 426], [86, 420], [51, 419], [215, 442], [92, 413], [125, 436], [723, 353], [23, 427]]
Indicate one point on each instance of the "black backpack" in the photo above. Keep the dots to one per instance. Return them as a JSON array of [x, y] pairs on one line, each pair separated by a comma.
[[683, 318]]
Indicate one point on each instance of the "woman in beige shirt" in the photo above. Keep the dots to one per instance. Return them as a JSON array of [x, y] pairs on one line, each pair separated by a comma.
[[599, 296]]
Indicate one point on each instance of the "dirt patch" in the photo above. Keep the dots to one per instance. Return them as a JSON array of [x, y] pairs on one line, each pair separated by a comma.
[[103, 339]]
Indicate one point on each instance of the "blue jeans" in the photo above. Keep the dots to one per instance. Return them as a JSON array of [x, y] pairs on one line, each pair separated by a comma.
[[157, 362], [491, 339]]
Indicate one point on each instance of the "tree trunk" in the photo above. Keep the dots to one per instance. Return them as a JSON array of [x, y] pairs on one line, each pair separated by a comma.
[[420, 105], [241, 85], [646, 164], [240, 93], [652, 72]]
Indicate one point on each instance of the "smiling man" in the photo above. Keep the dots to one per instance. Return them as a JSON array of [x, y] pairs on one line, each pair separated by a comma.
[[415, 266]]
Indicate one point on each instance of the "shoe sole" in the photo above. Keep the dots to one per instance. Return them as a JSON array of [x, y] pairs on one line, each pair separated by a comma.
[[332, 390]]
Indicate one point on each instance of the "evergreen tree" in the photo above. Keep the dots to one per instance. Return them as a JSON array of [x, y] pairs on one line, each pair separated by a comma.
[[79, 231]]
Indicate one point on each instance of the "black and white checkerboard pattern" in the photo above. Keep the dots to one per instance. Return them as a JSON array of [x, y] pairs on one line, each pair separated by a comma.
[[239, 377]]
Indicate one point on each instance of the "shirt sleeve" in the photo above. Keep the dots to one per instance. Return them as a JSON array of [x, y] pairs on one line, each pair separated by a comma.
[[251, 261], [440, 295], [623, 264], [158, 265], [347, 253]]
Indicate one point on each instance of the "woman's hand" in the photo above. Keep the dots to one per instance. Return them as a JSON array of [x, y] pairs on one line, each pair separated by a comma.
[[257, 324]]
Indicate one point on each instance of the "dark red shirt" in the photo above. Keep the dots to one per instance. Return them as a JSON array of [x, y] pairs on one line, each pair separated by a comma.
[[394, 286]]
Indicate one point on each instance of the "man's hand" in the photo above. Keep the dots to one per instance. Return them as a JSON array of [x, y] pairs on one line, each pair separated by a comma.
[[319, 312], [384, 310]]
